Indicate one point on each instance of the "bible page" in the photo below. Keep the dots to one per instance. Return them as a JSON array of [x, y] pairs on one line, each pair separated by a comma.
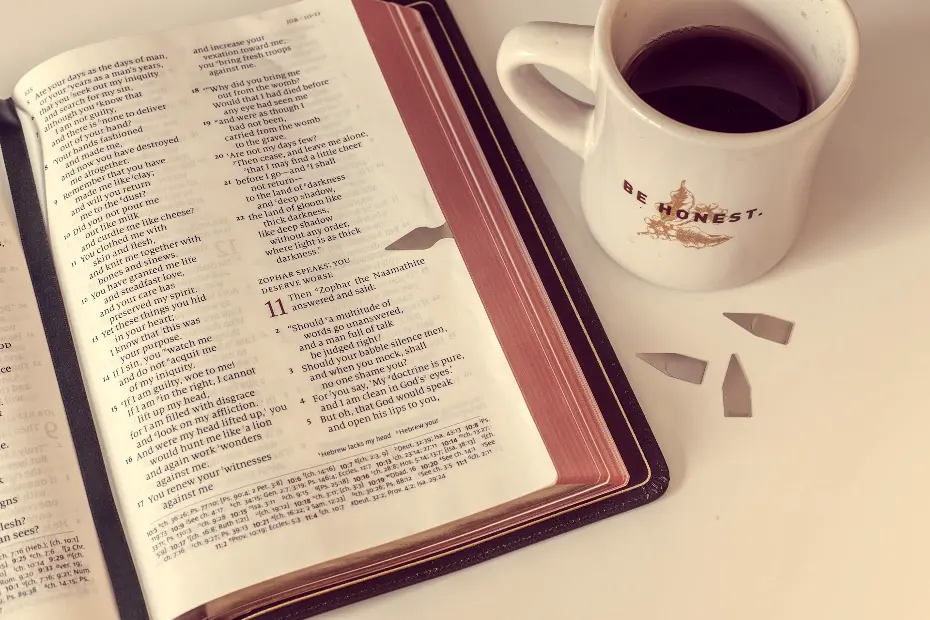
[[273, 387], [51, 565]]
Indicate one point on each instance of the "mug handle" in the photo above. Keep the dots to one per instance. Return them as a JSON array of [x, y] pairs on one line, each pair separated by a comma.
[[563, 47]]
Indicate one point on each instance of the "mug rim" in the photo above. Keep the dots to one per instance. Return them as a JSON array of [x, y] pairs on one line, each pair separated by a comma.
[[619, 86]]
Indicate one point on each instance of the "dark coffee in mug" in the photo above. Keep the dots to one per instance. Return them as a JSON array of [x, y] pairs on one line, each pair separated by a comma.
[[720, 79]]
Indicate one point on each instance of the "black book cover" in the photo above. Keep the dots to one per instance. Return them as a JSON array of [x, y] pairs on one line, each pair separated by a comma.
[[51, 307], [649, 475]]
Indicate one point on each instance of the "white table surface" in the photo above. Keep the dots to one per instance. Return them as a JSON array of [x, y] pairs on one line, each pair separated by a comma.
[[817, 506]]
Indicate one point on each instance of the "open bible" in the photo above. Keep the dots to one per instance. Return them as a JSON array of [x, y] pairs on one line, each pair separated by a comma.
[[284, 324]]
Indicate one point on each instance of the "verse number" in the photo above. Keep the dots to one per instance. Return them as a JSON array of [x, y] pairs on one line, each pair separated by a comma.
[[276, 308]]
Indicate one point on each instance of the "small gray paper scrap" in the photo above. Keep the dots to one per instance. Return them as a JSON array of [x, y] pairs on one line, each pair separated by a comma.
[[676, 366], [763, 326], [422, 238], [737, 401]]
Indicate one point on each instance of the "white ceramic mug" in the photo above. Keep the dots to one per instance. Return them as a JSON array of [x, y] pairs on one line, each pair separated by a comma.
[[681, 207]]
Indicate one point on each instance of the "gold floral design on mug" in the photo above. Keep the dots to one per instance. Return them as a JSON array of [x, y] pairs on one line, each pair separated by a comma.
[[676, 218]]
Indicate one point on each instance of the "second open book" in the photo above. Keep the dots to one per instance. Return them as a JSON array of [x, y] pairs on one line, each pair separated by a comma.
[[309, 334]]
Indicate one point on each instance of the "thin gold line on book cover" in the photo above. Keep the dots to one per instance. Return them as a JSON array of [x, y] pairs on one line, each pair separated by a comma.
[[292, 601]]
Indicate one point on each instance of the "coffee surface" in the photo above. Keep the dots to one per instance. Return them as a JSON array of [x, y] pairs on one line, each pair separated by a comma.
[[720, 79]]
